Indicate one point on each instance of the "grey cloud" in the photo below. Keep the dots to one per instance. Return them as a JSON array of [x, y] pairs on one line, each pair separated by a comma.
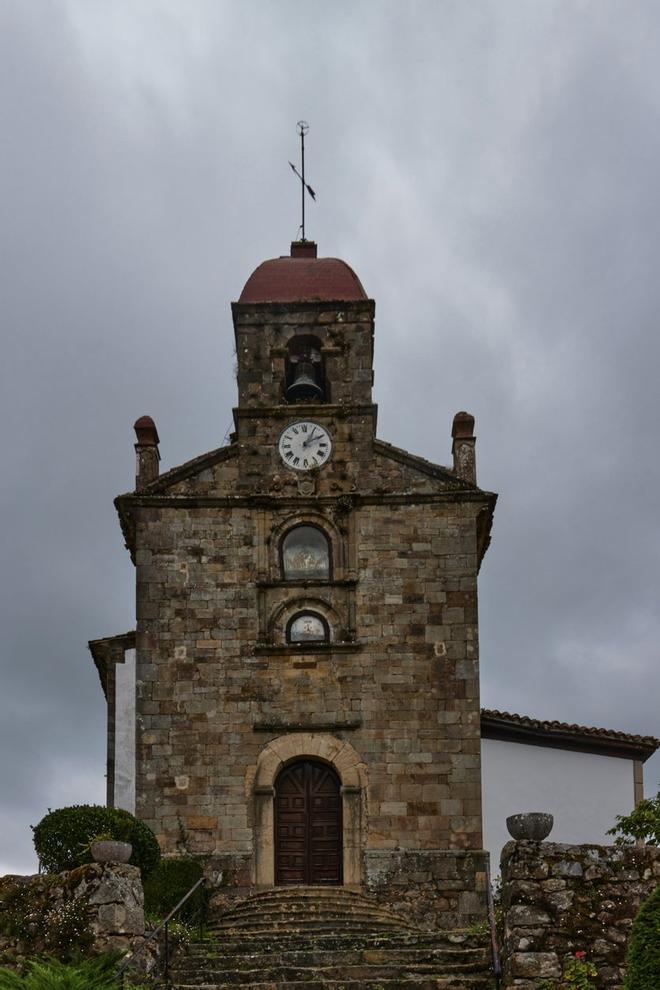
[[489, 170]]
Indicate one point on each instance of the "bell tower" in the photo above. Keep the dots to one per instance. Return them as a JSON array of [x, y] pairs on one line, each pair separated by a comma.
[[304, 330]]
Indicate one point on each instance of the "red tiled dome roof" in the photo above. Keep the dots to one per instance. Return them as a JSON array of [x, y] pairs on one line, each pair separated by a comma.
[[302, 278]]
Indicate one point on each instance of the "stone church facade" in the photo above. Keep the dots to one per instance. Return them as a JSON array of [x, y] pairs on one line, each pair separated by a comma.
[[299, 702]]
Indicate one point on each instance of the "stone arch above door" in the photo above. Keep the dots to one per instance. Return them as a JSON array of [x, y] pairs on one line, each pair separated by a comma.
[[351, 771]]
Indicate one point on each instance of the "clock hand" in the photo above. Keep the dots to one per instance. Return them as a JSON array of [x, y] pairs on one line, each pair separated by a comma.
[[307, 442]]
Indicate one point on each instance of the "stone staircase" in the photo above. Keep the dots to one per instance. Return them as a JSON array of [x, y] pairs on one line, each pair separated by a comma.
[[328, 938]]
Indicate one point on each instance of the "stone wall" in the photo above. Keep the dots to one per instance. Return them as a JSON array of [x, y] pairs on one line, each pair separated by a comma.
[[95, 908], [561, 899], [434, 890], [217, 684]]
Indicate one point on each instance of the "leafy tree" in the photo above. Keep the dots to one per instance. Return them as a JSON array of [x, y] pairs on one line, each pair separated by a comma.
[[641, 825]]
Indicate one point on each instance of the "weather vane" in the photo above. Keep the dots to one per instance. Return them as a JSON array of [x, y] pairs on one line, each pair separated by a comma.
[[303, 127]]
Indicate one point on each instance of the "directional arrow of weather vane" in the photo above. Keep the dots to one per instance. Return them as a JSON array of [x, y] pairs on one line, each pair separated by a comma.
[[303, 127]]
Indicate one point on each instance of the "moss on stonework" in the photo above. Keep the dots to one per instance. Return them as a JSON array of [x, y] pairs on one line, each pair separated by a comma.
[[37, 916]]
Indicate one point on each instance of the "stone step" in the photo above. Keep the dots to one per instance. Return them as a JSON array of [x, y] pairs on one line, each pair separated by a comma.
[[305, 902], [302, 921], [296, 918], [265, 942], [305, 895], [329, 957], [308, 895], [336, 959], [327, 969], [451, 982], [317, 895], [342, 927], [298, 905]]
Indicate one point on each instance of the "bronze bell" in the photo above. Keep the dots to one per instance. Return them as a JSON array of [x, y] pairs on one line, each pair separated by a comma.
[[304, 387]]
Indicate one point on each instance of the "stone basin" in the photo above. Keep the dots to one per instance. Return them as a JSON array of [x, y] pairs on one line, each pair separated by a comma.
[[535, 825]]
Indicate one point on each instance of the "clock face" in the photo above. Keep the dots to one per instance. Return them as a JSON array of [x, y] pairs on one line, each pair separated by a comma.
[[305, 445]]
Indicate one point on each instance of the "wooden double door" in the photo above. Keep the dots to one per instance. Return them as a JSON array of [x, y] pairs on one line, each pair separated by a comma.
[[308, 825]]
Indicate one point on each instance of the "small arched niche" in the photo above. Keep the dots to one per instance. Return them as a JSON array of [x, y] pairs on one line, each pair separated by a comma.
[[307, 627], [305, 554]]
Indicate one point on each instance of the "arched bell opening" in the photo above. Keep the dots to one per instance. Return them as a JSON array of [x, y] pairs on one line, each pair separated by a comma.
[[305, 378], [308, 825]]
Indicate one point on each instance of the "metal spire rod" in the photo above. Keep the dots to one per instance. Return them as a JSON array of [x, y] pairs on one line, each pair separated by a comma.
[[303, 127]]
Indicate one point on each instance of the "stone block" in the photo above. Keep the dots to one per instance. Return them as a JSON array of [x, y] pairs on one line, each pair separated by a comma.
[[527, 916], [536, 965]]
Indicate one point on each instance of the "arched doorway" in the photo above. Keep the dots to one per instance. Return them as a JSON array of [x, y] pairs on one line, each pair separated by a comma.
[[308, 824]]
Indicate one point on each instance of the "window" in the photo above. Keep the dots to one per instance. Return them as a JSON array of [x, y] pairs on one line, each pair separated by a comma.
[[305, 554], [307, 627]]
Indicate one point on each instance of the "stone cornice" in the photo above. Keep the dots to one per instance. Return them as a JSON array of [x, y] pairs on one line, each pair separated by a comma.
[[126, 504], [422, 465], [304, 651], [263, 500], [338, 725], [301, 410], [109, 650], [309, 583], [277, 312]]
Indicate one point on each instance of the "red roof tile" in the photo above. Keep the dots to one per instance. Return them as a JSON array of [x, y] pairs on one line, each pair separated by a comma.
[[608, 738]]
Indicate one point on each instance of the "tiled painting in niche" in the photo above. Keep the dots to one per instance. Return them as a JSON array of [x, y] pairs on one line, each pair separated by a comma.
[[307, 628], [305, 554]]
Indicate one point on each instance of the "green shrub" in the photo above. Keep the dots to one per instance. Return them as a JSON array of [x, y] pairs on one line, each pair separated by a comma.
[[643, 958], [169, 882], [97, 974], [61, 839]]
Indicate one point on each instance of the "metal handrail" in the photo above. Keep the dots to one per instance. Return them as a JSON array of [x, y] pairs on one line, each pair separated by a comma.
[[156, 932], [495, 952]]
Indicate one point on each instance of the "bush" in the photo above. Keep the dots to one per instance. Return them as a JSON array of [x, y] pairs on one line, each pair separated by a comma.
[[643, 958], [61, 839], [169, 882], [97, 974]]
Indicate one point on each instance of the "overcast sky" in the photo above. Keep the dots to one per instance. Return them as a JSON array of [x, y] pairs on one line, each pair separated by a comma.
[[490, 170]]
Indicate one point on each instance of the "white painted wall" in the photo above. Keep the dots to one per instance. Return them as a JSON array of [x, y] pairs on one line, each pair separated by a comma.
[[124, 796], [583, 791]]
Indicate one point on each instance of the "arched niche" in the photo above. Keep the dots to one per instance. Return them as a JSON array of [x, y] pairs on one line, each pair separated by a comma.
[[326, 525], [279, 622], [305, 553]]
